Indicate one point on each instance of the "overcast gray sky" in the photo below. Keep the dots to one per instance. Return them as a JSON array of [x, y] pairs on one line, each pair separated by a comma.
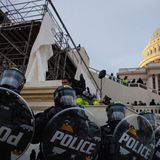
[[113, 32]]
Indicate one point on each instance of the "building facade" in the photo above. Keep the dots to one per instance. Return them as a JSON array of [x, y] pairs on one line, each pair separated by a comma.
[[149, 67]]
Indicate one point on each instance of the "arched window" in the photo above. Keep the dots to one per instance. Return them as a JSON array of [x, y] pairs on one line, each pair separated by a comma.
[[154, 50]]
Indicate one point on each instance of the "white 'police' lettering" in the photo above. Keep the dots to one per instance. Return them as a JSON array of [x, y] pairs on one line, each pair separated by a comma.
[[74, 143], [6, 136], [135, 145]]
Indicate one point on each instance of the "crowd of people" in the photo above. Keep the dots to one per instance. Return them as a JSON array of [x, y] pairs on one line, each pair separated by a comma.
[[125, 80], [132, 82], [140, 103], [84, 96]]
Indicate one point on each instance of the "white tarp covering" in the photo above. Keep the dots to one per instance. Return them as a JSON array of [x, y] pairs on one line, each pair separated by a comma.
[[88, 81], [41, 51]]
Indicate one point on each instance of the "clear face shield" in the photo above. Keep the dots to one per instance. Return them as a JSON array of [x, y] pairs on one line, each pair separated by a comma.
[[116, 113], [12, 79], [151, 118], [66, 97], [143, 124]]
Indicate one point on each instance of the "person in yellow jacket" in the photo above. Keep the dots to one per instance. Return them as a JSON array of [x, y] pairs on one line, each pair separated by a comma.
[[95, 101], [125, 80], [80, 100]]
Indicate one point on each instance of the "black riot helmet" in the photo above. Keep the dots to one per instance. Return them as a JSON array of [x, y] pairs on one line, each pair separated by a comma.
[[151, 117], [115, 113], [64, 96], [12, 79]]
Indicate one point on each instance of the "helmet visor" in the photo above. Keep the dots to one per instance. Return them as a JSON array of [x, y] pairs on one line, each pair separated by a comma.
[[116, 113], [12, 79], [117, 116], [66, 97], [67, 100]]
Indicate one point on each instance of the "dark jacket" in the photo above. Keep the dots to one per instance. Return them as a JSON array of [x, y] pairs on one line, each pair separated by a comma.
[[107, 150], [110, 149], [5, 153], [41, 120]]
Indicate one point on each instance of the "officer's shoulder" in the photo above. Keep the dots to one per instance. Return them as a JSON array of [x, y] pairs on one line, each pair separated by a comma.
[[46, 112], [78, 106], [53, 111], [48, 109]]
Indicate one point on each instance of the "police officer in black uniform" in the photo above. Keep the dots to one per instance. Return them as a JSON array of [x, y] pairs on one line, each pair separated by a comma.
[[115, 113], [14, 80], [64, 97]]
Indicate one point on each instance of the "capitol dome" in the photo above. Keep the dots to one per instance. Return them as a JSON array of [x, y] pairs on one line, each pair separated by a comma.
[[155, 35], [151, 54]]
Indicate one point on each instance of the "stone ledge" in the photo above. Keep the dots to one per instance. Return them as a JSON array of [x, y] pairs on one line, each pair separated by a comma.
[[40, 94]]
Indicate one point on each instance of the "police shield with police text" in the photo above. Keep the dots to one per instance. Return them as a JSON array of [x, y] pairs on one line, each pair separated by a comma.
[[72, 134], [16, 118], [134, 138]]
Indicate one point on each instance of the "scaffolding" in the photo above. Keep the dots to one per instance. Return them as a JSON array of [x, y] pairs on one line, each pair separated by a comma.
[[19, 26]]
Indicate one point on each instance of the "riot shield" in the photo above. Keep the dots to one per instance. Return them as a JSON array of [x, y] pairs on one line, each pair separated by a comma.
[[134, 139], [71, 134], [156, 155], [16, 124]]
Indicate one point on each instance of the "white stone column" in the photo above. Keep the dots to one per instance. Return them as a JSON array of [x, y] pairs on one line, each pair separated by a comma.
[[156, 82], [150, 82]]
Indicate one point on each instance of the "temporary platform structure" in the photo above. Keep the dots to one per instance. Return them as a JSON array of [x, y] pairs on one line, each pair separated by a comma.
[[34, 38]]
